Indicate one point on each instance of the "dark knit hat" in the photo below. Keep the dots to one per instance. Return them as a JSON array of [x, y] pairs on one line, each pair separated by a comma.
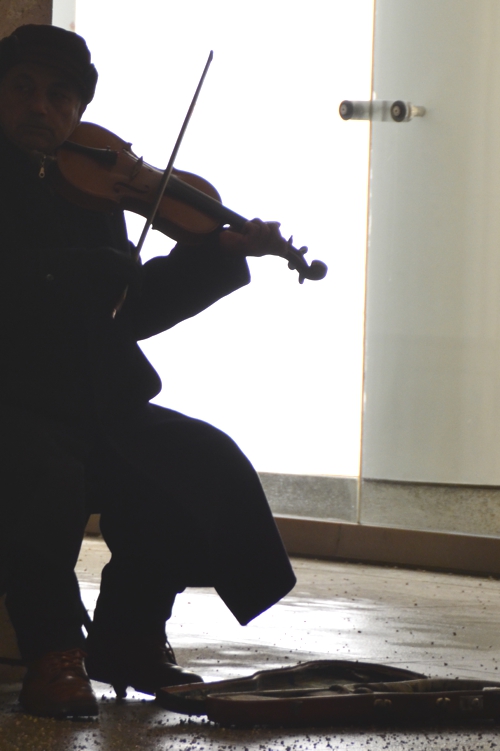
[[51, 45]]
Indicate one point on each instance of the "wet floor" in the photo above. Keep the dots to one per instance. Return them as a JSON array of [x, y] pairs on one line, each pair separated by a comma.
[[437, 624]]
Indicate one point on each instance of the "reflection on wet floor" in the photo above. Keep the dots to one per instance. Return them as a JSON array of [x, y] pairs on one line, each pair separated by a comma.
[[437, 624]]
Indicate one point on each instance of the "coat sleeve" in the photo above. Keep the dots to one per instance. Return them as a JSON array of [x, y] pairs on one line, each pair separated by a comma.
[[181, 285]]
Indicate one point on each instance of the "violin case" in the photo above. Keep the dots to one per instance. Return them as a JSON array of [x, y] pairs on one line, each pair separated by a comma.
[[336, 693]]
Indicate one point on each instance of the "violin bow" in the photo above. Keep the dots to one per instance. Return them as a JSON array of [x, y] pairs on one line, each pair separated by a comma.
[[166, 176], [168, 169]]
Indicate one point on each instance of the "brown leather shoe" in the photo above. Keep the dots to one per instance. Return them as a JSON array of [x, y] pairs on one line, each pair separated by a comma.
[[145, 665], [57, 685]]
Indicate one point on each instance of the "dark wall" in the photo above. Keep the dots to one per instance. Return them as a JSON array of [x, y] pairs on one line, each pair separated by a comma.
[[14, 13]]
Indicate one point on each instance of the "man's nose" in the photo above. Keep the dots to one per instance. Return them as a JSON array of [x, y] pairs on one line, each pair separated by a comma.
[[39, 102]]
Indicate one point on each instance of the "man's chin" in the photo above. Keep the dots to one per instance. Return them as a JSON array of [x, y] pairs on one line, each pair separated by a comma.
[[41, 141]]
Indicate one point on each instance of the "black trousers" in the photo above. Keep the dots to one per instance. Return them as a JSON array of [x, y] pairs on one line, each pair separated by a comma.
[[180, 506]]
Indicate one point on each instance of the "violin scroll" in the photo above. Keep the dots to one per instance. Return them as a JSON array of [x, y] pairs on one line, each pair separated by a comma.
[[316, 271]]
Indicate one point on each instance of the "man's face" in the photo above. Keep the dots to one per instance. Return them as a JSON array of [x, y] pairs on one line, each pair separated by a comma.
[[39, 107]]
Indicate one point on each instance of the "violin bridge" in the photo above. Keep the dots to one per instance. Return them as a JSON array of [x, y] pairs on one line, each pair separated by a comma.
[[137, 168]]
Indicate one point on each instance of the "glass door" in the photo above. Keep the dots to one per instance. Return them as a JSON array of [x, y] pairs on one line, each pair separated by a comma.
[[431, 435]]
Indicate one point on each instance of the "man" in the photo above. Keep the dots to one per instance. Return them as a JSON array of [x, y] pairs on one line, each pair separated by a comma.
[[180, 505]]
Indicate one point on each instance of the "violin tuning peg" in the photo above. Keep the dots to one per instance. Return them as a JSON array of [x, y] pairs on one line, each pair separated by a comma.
[[290, 240], [303, 250]]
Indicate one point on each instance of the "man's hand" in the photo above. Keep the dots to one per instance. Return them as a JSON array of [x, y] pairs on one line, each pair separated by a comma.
[[97, 275], [108, 266], [258, 238]]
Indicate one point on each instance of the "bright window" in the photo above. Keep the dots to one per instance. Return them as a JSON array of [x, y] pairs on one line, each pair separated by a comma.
[[276, 365]]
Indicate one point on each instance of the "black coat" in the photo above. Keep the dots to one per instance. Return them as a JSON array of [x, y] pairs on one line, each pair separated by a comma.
[[62, 352], [179, 502]]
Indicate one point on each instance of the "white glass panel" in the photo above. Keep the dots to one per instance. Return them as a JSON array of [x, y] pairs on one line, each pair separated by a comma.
[[433, 299], [276, 365]]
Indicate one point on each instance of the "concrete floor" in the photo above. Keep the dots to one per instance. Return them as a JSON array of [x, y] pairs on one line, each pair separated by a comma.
[[438, 624]]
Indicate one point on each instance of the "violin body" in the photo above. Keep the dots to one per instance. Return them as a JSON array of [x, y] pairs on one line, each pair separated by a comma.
[[98, 170], [128, 182]]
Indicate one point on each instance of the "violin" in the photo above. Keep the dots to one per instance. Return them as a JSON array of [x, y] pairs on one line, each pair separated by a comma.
[[99, 171]]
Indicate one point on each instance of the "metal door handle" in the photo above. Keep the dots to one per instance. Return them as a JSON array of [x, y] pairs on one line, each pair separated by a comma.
[[380, 110], [401, 111]]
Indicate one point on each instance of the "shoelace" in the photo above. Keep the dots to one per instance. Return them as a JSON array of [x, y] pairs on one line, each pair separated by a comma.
[[170, 652], [69, 661]]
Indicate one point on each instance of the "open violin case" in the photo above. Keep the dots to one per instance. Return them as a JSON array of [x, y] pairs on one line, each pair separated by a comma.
[[336, 692]]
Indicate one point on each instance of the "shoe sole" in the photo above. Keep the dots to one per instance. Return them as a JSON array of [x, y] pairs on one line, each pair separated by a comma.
[[61, 712]]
